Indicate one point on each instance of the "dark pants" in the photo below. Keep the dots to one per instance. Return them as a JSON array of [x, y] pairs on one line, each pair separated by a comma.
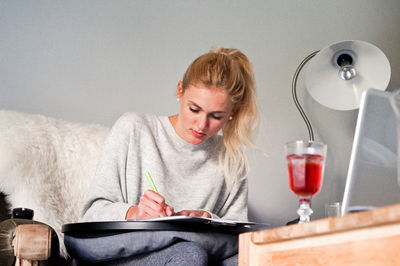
[[153, 248], [179, 254]]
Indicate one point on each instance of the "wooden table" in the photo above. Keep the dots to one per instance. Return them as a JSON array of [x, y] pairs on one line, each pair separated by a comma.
[[363, 238]]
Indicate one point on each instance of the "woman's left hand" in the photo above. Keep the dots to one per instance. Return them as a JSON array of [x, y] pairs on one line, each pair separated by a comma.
[[197, 213]]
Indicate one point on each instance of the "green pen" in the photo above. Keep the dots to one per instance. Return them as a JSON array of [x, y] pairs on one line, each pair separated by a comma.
[[151, 182]]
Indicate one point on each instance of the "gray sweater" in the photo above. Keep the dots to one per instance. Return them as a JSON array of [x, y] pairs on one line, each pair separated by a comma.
[[188, 176]]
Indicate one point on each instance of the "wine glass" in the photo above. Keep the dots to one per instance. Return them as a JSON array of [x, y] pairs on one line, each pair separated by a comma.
[[306, 161]]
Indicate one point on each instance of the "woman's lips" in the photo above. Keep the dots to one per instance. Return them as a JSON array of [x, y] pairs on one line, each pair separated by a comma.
[[197, 134]]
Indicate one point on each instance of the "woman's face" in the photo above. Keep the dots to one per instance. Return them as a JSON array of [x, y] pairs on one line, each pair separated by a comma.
[[203, 112]]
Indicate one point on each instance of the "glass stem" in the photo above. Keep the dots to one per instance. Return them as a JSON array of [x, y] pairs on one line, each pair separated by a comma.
[[304, 211]]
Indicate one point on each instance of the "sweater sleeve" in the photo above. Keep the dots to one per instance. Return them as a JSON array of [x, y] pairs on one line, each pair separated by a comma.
[[106, 198], [235, 207]]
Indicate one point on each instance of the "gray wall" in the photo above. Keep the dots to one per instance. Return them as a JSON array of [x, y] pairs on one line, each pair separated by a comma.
[[90, 61]]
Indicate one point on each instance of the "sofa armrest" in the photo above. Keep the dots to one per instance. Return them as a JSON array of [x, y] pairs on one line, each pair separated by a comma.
[[32, 242], [7, 248]]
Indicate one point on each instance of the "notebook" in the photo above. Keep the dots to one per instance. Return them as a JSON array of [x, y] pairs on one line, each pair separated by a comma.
[[372, 174], [193, 219]]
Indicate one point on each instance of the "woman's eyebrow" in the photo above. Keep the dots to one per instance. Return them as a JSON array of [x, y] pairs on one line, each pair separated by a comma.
[[196, 105]]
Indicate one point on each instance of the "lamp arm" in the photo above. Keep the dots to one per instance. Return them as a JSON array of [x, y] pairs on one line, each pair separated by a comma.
[[294, 94]]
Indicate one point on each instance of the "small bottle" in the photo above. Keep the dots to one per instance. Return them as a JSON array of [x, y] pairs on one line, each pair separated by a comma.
[[22, 213]]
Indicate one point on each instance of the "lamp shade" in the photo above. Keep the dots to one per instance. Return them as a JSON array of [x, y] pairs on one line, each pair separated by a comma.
[[338, 74]]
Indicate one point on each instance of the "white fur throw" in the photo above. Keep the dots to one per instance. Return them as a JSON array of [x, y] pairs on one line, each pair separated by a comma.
[[47, 165]]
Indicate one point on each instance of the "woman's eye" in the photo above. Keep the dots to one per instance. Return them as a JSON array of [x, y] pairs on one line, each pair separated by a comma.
[[216, 117], [194, 110]]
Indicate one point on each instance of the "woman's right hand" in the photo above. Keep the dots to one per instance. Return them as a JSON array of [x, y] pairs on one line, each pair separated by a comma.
[[151, 204]]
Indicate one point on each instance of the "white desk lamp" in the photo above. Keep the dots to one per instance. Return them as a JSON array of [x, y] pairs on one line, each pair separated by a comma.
[[339, 73]]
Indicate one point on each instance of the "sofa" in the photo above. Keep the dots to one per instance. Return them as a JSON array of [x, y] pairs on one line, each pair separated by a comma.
[[46, 165]]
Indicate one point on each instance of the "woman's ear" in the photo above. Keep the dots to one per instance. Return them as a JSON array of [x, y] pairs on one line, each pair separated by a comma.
[[234, 111], [179, 90]]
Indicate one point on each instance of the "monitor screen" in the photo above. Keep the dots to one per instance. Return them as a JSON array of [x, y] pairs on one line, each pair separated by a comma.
[[372, 174]]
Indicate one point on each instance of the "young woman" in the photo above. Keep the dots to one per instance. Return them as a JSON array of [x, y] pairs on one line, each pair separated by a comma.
[[197, 171]]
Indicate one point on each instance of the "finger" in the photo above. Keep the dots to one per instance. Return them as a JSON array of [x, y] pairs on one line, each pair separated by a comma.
[[145, 212], [196, 213], [183, 213], [151, 207], [169, 211], [147, 202], [142, 214], [206, 215], [152, 213], [150, 194]]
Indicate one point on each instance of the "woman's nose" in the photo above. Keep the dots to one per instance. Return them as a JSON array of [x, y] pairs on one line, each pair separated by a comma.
[[202, 123]]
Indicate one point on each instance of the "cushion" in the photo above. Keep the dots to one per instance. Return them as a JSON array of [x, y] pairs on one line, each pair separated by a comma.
[[47, 164]]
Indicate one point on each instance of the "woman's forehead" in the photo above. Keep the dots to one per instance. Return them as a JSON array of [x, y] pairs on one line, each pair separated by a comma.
[[212, 98]]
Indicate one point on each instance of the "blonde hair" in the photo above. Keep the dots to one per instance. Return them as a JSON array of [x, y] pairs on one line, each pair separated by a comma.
[[231, 70]]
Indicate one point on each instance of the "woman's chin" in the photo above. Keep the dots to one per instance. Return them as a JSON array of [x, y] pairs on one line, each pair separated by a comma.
[[196, 141]]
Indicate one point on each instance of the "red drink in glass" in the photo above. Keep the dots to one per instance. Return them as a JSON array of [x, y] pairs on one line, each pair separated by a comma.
[[306, 160], [305, 173]]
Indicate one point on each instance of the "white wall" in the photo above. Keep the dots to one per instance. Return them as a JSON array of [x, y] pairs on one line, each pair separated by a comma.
[[90, 61]]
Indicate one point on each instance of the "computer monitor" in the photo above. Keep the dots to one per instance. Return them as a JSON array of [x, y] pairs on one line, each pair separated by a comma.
[[372, 174]]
